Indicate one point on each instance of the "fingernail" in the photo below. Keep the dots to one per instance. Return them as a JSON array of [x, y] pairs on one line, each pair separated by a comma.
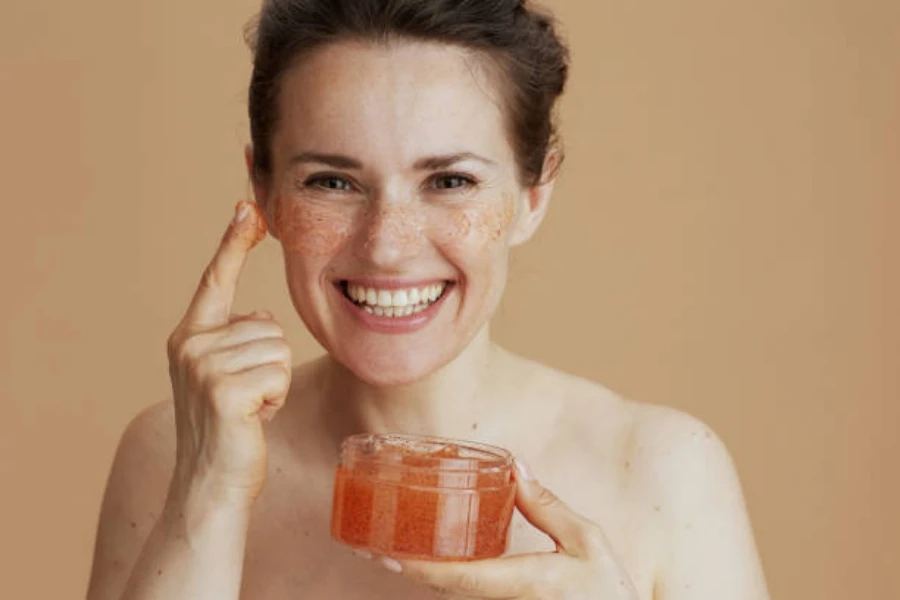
[[523, 472], [362, 553], [390, 564], [241, 212]]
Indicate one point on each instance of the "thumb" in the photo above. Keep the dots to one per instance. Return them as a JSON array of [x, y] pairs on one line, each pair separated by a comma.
[[574, 534]]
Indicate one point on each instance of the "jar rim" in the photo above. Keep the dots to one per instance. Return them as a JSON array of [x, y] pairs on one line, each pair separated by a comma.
[[480, 457]]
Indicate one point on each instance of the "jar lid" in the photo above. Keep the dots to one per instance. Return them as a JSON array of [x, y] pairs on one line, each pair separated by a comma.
[[425, 453]]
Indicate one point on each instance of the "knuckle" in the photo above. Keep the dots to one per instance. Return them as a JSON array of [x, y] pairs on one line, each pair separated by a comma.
[[210, 279], [190, 350], [548, 499], [285, 352], [219, 392], [468, 583], [282, 378], [200, 371], [173, 344]]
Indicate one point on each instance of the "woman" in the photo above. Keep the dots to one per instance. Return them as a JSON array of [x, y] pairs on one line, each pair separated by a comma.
[[400, 149]]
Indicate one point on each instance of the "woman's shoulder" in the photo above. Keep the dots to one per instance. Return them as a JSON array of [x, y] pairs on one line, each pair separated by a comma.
[[666, 445]]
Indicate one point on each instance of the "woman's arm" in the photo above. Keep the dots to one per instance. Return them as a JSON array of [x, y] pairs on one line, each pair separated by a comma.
[[147, 547], [228, 373]]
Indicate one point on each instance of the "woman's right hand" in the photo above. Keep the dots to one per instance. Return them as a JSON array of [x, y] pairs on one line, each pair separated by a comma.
[[228, 372]]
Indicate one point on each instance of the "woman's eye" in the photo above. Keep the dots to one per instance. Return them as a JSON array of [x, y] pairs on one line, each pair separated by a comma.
[[452, 182], [335, 184]]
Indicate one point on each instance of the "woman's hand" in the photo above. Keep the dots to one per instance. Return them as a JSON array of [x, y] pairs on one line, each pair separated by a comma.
[[228, 372], [584, 566]]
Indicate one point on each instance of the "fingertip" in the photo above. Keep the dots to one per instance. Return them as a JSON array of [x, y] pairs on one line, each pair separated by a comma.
[[241, 211], [390, 564], [249, 224]]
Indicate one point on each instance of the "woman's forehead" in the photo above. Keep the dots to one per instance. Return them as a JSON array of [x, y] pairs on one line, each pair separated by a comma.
[[408, 99]]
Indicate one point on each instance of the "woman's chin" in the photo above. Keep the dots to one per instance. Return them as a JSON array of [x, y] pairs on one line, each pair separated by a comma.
[[391, 371]]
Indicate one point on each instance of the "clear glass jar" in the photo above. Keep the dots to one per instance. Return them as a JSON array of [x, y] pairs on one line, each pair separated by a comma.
[[423, 497]]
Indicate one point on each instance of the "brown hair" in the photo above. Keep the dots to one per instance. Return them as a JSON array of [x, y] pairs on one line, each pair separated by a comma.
[[520, 38]]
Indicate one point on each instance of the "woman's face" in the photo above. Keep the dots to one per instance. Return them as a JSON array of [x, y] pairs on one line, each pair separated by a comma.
[[395, 196]]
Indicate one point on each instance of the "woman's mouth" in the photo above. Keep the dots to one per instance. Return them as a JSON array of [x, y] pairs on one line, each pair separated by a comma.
[[403, 302]]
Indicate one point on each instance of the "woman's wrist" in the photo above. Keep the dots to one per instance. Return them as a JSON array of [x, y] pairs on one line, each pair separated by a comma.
[[197, 511]]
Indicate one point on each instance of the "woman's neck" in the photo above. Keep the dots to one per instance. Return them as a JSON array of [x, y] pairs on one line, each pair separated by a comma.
[[451, 402]]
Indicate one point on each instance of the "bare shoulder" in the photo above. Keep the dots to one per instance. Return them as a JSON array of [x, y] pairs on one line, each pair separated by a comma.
[[676, 449], [143, 463], [674, 455], [677, 465], [134, 497]]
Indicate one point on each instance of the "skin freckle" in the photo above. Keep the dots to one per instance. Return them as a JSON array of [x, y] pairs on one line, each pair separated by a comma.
[[400, 226], [484, 223], [310, 229]]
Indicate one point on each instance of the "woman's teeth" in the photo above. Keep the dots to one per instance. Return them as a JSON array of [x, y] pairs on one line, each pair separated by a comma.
[[394, 303]]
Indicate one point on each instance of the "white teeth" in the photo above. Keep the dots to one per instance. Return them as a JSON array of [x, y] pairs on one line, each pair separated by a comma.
[[394, 303]]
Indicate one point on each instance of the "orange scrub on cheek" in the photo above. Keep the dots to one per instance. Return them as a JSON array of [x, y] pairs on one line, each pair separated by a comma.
[[423, 498], [478, 223], [311, 228]]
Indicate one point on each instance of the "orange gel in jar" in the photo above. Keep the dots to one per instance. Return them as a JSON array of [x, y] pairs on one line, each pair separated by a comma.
[[423, 497]]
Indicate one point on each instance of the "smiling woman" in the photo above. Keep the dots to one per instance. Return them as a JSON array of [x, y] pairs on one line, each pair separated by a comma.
[[401, 149]]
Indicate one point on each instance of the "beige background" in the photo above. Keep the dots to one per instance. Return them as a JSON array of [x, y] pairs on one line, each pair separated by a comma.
[[723, 240]]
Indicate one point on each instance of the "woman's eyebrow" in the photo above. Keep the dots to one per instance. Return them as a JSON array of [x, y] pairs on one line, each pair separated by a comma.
[[338, 161], [432, 163], [428, 163]]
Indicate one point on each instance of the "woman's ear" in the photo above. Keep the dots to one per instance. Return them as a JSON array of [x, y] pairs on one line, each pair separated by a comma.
[[535, 200], [260, 190]]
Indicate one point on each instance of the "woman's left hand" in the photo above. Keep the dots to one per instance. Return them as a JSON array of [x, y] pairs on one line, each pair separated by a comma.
[[584, 566]]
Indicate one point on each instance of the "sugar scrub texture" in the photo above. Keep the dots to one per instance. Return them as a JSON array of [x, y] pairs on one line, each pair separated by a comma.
[[425, 500]]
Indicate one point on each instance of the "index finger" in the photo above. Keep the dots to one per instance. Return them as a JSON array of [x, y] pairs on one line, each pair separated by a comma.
[[211, 305]]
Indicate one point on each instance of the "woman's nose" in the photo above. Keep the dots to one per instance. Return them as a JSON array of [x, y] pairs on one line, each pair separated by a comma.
[[394, 232]]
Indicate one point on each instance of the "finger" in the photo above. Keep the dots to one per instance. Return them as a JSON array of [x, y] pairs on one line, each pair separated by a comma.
[[573, 533], [242, 395], [251, 354], [507, 577], [245, 330], [212, 301], [257, 315]]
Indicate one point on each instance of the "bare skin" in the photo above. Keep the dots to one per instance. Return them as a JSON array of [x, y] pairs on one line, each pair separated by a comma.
[[604, 458], [645, 502]]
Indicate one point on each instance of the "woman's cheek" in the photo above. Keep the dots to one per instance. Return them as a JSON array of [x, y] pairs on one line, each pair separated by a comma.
[[477, 226], [311, 229]]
